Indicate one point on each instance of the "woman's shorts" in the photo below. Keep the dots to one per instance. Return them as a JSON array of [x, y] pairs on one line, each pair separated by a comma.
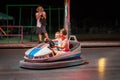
[[41, 30]]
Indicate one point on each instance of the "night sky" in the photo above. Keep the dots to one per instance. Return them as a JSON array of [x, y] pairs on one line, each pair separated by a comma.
[[98, 11]]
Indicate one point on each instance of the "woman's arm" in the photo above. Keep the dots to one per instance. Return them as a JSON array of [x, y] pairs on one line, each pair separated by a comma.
[[37, 16], [44, 15]]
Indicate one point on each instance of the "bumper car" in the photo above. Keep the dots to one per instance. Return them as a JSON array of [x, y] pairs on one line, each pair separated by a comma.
[[43, 57]]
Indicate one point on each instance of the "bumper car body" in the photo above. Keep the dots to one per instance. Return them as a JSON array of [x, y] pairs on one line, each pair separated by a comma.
[[42, 57]]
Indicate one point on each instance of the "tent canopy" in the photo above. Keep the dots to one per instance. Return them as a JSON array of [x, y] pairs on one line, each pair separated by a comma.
[[5, 17]]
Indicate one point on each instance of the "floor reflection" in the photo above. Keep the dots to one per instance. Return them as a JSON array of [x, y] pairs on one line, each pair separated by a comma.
[[101, 68]]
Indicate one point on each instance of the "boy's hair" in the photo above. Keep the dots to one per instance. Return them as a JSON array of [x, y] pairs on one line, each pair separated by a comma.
[[64, 31]]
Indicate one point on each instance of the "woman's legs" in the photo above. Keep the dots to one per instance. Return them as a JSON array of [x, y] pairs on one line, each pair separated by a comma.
[[46, 35], [40, 38]]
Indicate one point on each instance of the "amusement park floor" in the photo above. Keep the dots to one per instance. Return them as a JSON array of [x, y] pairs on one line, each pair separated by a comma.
[[103, 64], [83, 44]]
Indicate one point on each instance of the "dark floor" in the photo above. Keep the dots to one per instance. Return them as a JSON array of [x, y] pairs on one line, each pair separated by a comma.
[[104, 64]]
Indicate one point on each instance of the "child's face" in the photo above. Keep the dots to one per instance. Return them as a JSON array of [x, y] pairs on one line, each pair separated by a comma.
[[57, 35]]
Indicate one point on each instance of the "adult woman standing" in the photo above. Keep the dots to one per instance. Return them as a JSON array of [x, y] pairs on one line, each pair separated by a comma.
[[41, 23]]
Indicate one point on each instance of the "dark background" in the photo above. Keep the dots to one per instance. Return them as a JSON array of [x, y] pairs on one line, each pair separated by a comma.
[[86, 16]]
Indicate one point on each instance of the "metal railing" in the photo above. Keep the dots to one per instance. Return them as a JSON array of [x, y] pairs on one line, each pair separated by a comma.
[[5, 32]]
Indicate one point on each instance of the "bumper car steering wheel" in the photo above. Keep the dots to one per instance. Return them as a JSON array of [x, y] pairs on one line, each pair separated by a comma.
[[50, 42]]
